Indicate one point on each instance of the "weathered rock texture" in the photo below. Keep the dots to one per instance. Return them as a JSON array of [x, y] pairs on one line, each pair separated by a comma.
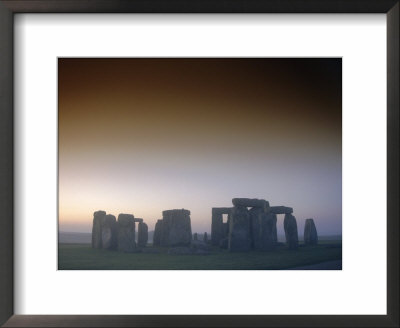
[[157, 233], [142, 234], [219, 229], [310, 233], [176, 228], [109, 233], [239, 230], [290, 226], [281, 210], [248, 202], [126, 233], [251, 225], [98, 219]]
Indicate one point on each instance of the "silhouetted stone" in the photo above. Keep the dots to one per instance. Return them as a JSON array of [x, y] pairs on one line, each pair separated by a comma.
[[267, 231], [138, 220], [205, 237], [281, 210], [109, 233], [176, 228], [310, 233], [255, 236], [262, 229], [142, 234], [195, 236], [239, 230], [290, 226], [218, 228], [157, 233], [224, 243], [126, 233], [98, 219], [249, 202]]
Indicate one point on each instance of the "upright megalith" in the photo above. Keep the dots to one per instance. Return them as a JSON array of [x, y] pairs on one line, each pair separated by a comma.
[[176, 228], [98, 219], [239, 230], [126, 233], [109, 233], [195, 237], [142, 234], [157, 233], [290, 226], [219, 229], [310, 233], [262, 226], [205, 237], [255, 225]]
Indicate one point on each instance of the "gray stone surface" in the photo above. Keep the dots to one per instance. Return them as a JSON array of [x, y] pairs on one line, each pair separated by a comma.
[[126, 233], [109, 233], [224, 243], [142, 234], [267, 231], [157, 233], [290, 226], [255, 226], [195, 237], [98, 219], [281, 210], [138, 220], [251, 202], [218, 228], [310, 233], [262, 229], [239, 230], [205, 237], [176, 228]]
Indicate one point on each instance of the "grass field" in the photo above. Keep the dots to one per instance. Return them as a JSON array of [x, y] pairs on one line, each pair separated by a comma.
[[83, 257]]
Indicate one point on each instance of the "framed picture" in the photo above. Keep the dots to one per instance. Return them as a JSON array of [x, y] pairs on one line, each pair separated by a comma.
[[162, 164]]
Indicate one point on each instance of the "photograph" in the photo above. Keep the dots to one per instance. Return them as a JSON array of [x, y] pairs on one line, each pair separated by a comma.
[[199, 163]]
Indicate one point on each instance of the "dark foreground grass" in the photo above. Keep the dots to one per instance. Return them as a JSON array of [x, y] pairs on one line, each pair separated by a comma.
[[83, 257]]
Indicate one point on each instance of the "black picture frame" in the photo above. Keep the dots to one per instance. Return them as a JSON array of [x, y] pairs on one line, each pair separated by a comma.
[[10, 7]]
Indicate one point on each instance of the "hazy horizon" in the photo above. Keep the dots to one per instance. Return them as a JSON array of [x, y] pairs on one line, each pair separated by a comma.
[[141, 136]]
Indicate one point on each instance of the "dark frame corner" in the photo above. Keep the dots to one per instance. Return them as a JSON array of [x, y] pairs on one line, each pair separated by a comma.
[[10, 7]]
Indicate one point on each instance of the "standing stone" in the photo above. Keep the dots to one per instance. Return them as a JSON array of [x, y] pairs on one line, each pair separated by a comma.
[[157, 233], [195, 236], [290, 226], [126, 233], [239, 230], [255, 228], [310, 233], [142, 234], [205, 237], [177, 230], [109, 233], [267, 230], [98, 219], [218, 228]]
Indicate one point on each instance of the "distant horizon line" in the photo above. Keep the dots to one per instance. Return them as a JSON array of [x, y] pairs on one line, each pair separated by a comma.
[[320, 235]]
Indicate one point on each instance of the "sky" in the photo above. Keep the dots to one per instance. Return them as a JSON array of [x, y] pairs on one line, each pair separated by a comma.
[[143, 135]]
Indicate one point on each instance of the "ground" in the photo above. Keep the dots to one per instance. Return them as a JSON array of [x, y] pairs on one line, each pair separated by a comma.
[[83, 257]]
